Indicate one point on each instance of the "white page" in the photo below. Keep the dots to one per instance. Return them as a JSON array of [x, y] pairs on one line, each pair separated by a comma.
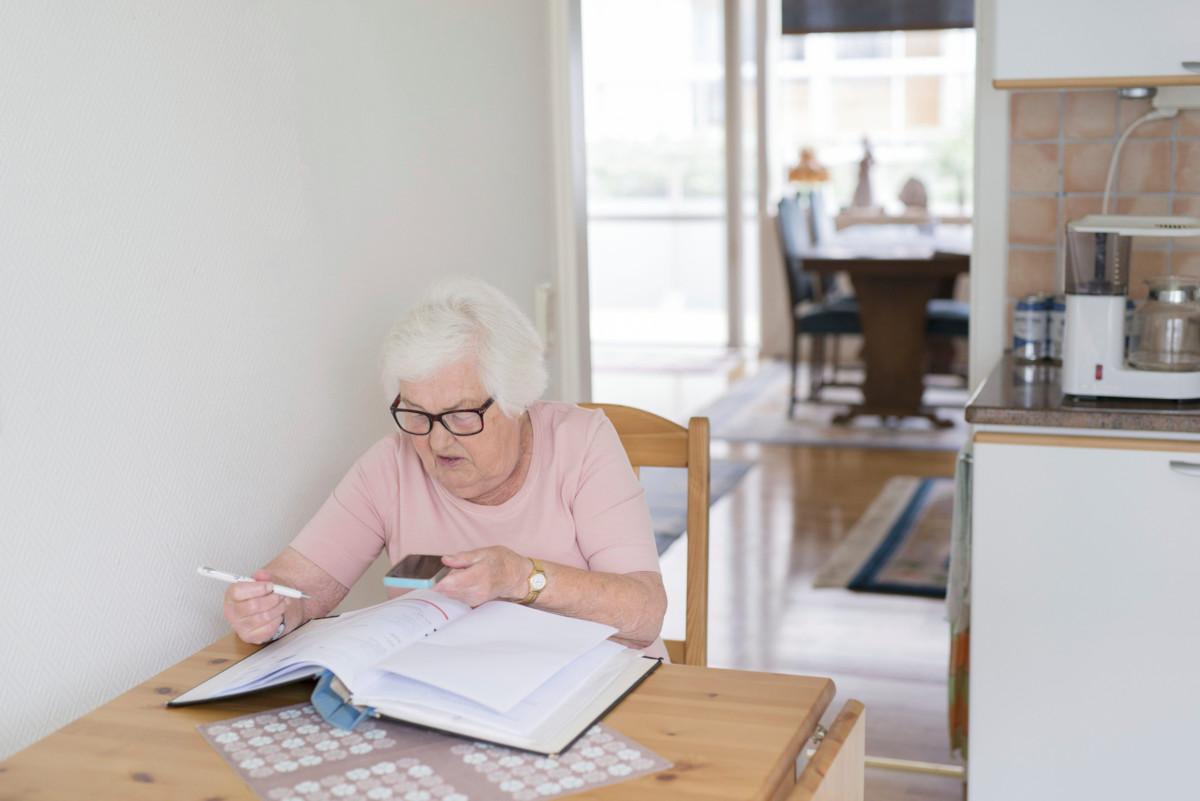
[[564, 725], [368, 635], [391, 693], [347, 644], [498, 654]]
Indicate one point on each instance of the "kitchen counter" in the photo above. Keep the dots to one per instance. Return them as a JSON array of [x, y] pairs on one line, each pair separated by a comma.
[[1017, 394]]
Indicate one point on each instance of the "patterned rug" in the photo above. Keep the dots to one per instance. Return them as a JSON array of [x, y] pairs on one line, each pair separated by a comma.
[[901, 545], [755, 410], [666, 494]]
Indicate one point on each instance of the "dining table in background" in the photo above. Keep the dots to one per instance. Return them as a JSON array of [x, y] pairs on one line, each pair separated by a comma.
[[895, 272]]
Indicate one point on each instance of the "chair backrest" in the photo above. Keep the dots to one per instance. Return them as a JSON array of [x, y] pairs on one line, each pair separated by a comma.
[[653, 441], [836, 771], [822, 224], [794, 237]]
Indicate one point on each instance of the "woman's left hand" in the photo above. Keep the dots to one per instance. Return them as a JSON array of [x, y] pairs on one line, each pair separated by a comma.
[[485, 574]]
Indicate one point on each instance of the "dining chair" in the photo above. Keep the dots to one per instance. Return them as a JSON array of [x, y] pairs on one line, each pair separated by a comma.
[[653, 441], [813, 313], [835, 771], [824, 316], [820, 222], [947, 320]]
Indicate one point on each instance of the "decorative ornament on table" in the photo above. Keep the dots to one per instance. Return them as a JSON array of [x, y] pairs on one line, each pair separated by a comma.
[[914, 196], [808, 170], [864, 200]]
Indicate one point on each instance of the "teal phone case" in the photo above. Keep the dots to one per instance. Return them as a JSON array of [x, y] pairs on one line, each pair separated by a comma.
[[419, 564], [410, 583]]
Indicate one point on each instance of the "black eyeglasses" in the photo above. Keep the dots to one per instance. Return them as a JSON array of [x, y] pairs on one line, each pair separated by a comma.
[[459, 422]]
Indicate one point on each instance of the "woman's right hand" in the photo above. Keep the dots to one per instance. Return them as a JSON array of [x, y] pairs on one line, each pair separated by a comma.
[[252, 609]]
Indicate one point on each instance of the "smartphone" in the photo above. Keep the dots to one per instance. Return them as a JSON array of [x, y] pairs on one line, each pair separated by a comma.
[[416, 571]]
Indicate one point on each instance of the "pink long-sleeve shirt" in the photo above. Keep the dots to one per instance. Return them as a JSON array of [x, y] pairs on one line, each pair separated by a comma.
[[580, 505]]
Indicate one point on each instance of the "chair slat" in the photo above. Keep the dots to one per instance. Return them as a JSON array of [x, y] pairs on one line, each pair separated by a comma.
[[656, 450], [696, 624], [628, 420], [653, 441]]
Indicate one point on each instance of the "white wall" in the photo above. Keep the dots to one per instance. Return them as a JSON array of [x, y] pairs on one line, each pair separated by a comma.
[[210, 213]]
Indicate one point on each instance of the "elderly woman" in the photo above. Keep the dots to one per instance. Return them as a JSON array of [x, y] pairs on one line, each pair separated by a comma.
[[529, 501]]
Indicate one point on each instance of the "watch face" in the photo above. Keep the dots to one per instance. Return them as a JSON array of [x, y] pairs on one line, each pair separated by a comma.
[[537, 582]]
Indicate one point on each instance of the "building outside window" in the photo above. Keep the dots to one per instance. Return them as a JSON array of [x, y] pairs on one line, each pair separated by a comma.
[[654, 120], [911, 93]]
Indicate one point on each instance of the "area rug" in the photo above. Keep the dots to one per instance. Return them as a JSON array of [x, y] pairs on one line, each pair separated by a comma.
[[755, 410], [901, 545], [666, 494]]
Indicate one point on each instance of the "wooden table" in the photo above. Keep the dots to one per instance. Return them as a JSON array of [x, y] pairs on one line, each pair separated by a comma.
[[893, 282], [730, 734], [849, 219]]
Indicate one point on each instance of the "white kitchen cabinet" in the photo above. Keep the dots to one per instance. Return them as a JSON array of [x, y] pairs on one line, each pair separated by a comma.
[[1085, 618], [1095, 39]]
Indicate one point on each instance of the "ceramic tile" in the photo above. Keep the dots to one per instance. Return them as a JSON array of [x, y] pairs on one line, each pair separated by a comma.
[[1032, 220], [1187, 166], [1189, 123], [1031, 271], [1144, 205], [1187, 206], [1085, 166], [1186, 262], [1076, 206], [1034, 115], [1146, 264], [1130, 110], [1033, 168], [1090, 115], [1145, 166]]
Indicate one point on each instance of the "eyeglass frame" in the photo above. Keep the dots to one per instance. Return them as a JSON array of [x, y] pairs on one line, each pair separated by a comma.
[[396, 409]]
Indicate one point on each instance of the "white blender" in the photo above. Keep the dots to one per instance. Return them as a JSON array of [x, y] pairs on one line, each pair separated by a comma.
[[1094, 360]]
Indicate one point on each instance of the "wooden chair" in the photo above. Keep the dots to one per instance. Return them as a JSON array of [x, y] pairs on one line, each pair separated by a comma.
[[835, 771], [653, 441]]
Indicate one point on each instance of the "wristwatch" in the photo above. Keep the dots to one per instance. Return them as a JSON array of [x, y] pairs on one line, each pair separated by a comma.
[[537, 582]]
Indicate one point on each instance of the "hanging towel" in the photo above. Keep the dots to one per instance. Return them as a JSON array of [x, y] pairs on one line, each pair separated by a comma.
[[958, 603]]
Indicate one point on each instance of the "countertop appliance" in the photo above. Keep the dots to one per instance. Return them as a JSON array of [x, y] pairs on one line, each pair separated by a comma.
[[1095, 339], [1165, 334]]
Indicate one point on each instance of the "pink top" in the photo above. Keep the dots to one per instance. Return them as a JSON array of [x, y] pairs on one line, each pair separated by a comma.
[[580, 505]]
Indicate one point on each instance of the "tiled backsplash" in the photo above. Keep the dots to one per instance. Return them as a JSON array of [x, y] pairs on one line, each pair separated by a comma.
[[1059, 148]]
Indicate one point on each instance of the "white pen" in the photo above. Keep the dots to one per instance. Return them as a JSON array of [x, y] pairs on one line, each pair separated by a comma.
[[230, 578]]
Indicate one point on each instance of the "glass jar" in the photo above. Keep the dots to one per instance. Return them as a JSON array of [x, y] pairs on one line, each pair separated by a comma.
[[1166, 328]]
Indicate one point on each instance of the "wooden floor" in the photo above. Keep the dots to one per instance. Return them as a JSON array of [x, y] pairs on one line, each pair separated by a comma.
[[767, 539]]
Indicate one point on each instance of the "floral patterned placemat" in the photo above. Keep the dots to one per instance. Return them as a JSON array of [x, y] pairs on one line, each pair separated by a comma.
[[291, 754]]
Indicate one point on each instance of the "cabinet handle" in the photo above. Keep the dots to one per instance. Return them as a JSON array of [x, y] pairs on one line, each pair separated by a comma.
[[1186, 468], [1192, 66]]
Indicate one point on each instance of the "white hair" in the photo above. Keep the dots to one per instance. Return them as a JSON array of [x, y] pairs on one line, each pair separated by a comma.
[[468, 318]]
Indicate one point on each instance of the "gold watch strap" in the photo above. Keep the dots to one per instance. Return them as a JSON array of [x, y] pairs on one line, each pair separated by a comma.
[[533, 594]]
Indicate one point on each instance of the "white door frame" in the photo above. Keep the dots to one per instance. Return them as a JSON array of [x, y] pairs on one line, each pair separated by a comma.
[[732, 19]]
